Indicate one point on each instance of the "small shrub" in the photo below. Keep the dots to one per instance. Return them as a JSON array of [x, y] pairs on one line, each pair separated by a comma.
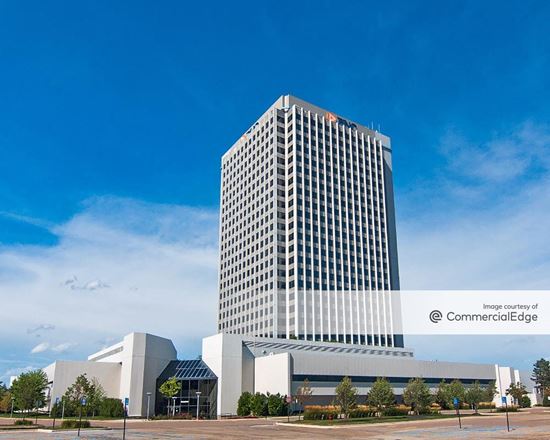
[[427, 411], [511, 408], [73, 424], [111, 407], [486, 405], [359, 413], [244, 404], [525, 402], [396, 411], [276, 404], [319, 412], [546, 401], [258, 404], [22, 422]]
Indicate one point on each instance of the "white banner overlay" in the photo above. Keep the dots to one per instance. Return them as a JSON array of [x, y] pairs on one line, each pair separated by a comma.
[[472, 312]]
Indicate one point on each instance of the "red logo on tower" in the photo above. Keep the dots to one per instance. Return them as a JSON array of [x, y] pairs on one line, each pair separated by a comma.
[[331, 117]]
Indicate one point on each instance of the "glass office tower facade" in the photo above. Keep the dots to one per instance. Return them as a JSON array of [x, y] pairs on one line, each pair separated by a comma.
[[307, 230]]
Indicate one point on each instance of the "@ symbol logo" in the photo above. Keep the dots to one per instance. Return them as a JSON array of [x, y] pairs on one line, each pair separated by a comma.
[[435, 316]]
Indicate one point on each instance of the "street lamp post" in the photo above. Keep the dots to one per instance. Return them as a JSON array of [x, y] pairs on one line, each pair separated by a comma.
[[198, 393], [12, 401], [174, 406], [148, 404]]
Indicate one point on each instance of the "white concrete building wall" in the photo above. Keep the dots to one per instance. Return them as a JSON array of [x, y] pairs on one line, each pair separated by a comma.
[[525, 379], [128, 369], [63, 374], [223, 353], [504, 377], [109, 354], [143, 358], [277, 362], [272, 374], [385, 366]]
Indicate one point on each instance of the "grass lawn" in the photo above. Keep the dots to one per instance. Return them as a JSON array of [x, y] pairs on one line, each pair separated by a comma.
[[376, 419]]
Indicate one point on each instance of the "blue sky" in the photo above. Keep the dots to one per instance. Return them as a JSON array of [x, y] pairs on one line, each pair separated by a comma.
[[113, 118]]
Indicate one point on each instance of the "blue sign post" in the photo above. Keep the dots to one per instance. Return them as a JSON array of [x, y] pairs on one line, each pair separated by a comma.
[[126, 403], [456, 403], [82, 403], [505, 401]]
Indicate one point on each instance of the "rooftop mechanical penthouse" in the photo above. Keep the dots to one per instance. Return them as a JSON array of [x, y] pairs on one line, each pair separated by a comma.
[[307, 231]]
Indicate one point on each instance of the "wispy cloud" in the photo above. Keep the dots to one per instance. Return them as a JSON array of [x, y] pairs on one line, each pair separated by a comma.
[[499, 238], [63, 347], [151, 267], [501, 158], [73, 284], [482, 225], [26, 219], [40, 348], [5, 375], [40, 328]]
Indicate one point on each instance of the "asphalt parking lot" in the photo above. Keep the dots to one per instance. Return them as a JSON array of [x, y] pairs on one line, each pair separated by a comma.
[[531, 424]]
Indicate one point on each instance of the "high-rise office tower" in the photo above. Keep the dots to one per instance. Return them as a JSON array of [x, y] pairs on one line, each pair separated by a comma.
[[307, 231]]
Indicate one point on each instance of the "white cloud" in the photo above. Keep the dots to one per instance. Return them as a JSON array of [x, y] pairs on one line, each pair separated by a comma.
[[40, 348], [159, 263], [499, 240], [482, 225], [57, 348], [40, 327], [63, 347], [90, 285], [502, 158], [13, 372]]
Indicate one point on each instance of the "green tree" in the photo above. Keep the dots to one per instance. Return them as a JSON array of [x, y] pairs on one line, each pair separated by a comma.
[[381, 394], [346, 395], [259, 405], [29, 390], [456, 390], [417, 395], [517, 391], [475, 394], [75, 393], [276, 404], [169, 389], [244, 405], [525, 402], [303, 393], [541, 376], [5, 402], [96, 394], [442, 395], [3, 392]]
